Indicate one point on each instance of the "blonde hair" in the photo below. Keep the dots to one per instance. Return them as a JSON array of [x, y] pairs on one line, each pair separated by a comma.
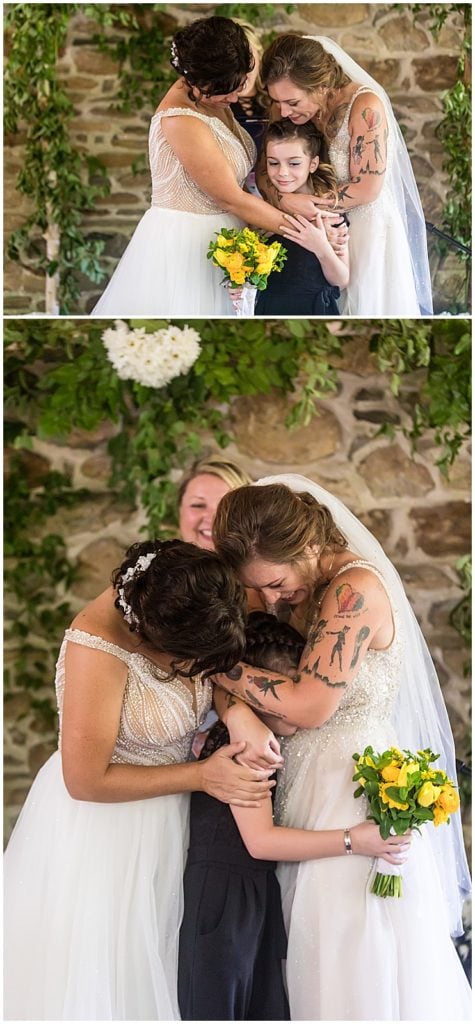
[[273, 522], [230, 472], [255, 43], [304, 61]]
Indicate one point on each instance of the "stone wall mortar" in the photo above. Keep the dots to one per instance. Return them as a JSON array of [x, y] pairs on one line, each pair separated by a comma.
[[413, 68], [429, 575]]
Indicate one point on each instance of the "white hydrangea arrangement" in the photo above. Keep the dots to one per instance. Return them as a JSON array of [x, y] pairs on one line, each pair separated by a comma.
[[152, 358]]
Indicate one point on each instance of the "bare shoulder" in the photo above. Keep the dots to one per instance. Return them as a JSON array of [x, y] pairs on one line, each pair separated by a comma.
[[356, 588], [368, 109]]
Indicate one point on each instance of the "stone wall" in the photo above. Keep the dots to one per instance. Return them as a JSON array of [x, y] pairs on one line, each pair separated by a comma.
[[400, 54], [421, 519]]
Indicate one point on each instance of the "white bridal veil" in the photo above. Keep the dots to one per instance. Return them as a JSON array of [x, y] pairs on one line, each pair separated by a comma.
[[400, 177], [420, 717]]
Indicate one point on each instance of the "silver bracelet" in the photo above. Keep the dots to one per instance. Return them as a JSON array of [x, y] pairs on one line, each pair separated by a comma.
[[347, 840]]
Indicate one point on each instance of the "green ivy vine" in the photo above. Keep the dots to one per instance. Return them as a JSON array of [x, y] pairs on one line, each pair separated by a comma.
[[454, 130], [58, 377]]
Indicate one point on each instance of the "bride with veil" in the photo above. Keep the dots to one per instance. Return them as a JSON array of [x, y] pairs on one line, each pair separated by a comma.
[[352, 955], [312, 78]]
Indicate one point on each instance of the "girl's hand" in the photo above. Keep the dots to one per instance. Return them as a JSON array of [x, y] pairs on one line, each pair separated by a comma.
[[235, 783], [311, 236], [262, 749], [366, 840]]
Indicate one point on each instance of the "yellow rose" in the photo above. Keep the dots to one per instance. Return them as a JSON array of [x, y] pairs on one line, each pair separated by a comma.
[[389, 799], [448, 799], [235, 263], [220, 257], [238, 277], [223, 242], [406, 769], [427, 794], [391, 772], [264, 267], [440, 816]]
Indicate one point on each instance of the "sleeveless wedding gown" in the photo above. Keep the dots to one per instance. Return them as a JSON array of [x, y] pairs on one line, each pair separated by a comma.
[[93, 891], [381, 277], [353, 955], [164, 270]]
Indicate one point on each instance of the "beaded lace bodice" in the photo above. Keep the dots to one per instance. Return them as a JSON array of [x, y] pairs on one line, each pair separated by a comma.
[[339, 152], [364, 713], [172, 186], [159, 715]]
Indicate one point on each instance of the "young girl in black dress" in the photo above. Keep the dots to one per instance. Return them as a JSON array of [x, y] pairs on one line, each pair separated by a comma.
[[232, 939], [311, 277]]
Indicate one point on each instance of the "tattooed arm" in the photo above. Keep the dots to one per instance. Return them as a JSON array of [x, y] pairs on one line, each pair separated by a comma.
[[354, 615], [368, 130]]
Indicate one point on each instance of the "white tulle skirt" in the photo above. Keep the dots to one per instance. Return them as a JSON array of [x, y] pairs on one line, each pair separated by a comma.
[[381, 277], [353, 955], [93, 906], [164, 270]]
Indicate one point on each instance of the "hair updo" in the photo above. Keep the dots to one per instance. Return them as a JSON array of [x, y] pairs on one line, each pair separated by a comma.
[[212, 54], [273, 522], [304, 62], [186, 604]]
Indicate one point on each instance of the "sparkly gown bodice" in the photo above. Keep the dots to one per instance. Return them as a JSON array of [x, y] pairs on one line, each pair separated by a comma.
[[172, 186], [159, 714]]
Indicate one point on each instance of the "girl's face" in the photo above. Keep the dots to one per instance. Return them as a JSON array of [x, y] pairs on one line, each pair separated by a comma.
[[292, 582], [296, 104], [289, 164], [198, 509]]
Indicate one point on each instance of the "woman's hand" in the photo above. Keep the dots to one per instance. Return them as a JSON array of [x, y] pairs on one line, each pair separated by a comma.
[[299, 203], [367, 841], [235, 294], [337, 232], [234, 783]]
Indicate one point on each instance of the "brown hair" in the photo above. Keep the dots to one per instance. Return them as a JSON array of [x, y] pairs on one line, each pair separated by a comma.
[[324, 178], [304, 61], [186, 604], [216, 465], [273, 522], [212, 54]]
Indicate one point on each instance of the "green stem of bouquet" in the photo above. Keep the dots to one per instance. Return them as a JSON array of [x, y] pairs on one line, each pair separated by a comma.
[[387, 885]]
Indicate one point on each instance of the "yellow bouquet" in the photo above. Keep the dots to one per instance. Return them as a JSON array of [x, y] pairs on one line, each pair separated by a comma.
[[403, 791], [245, 257]]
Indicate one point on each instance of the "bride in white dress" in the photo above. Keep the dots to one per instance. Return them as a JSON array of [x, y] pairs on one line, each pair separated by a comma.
[[200, 158], [93, 871], [312, 78], [365, 678]]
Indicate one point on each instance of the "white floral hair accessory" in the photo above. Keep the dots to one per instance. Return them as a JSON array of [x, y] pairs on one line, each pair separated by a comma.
[[174, 58], [140, 566], [152, 358]]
